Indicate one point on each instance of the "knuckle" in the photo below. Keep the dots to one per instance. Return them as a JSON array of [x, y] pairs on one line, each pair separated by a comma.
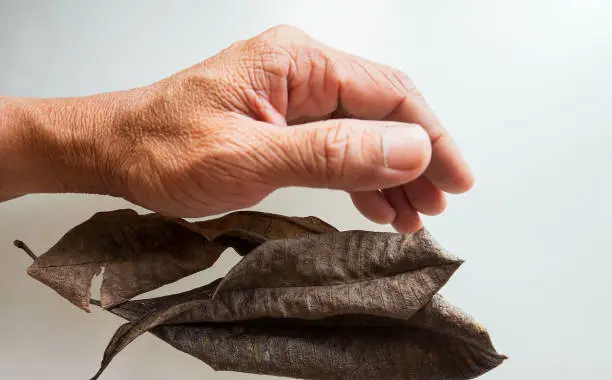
[[270, 54], [281, 39], [271, 60], [237, 45], [283, 32], [283, 49]]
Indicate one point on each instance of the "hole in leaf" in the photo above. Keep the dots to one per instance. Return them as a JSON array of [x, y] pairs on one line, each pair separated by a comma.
[[228, 259], [96, 283]]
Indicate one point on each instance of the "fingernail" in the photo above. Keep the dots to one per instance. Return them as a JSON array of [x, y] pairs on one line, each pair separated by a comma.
[[406, 147]]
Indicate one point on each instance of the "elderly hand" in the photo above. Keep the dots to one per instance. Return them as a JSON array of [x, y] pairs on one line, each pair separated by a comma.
[[278, 110]]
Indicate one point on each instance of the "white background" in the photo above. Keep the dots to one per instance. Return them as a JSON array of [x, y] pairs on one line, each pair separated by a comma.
[[525, 87]]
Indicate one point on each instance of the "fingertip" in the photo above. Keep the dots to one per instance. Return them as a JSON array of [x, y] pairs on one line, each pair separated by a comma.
[[466, 183], [374, 206], [457, 184], [449, 170], [425, 197], [436, 207], [407, 220], [408, 228]]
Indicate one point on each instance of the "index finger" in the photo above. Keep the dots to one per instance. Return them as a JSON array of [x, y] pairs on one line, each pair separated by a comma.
[[321, 82], [368, 90]]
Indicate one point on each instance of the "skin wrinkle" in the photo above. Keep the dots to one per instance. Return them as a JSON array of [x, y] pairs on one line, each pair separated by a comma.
[[243, 88], [326, 69], [296, 99], [368, 70], [267, 158], [235, 169], [343, 156], [267, 60], [299, 95], [323, 112], [334, 159], [284, 150], [296, 152], [320, 148], [403, 98], [300, 62], [305, 86], [189, 196], [318, 76], [396, 78]]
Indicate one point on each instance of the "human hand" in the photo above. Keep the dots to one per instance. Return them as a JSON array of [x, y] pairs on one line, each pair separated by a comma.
[[278, 110]]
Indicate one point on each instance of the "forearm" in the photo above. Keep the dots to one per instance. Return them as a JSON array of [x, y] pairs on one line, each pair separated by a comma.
[[59, 145]]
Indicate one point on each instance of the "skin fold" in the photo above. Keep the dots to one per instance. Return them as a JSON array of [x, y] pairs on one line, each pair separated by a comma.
[[277, 110]]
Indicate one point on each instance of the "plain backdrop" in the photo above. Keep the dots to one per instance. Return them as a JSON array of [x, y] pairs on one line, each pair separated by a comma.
[[525, 87]]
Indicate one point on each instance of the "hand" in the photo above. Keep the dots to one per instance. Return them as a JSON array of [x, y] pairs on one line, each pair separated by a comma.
[[278, 110]]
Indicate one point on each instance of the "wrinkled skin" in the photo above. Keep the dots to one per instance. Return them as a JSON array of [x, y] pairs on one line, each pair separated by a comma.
[[277, 110]]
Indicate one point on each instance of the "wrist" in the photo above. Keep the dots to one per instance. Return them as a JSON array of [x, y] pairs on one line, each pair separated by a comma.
[[14, 168], [67, 145]]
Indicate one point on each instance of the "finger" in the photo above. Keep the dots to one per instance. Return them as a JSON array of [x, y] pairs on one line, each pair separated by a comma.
[[407, 219], [351, 155], [372, 91], [448, 169], [425, 197], [374, 206]]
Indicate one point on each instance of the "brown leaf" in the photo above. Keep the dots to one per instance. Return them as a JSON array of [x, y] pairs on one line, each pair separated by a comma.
[[315, 277], [438, 342], [245, 230], [143, 252], [342, 353], [306, 302], [138, 252]]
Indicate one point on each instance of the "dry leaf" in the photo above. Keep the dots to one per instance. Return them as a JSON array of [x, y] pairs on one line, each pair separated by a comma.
[[143, 252], [352, 279], [306, 301], [438, 342], [245, 230], [270, 226], [138, 252]]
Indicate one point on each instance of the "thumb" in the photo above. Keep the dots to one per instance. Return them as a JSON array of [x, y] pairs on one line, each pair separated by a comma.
[[346, 154]]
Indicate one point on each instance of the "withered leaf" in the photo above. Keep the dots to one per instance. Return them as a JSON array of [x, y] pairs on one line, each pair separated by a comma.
[[306, 300], [245, 230], [138, 253], [315, 277], [143, 252], [438, 342]]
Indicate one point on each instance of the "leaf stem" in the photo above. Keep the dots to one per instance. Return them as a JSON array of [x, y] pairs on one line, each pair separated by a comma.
[[95, 302], [23, 246]]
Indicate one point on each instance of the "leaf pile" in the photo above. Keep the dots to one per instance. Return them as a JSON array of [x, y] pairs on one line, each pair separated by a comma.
[[305, 301]]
